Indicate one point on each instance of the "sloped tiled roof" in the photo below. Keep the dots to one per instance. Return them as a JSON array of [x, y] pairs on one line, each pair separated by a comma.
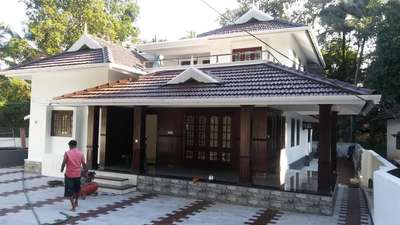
[[81, 57], [252, 26], [121, 55], [109, 53], [256, 80]]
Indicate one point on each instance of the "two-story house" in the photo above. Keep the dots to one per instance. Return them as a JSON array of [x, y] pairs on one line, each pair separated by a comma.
[[236, 105]]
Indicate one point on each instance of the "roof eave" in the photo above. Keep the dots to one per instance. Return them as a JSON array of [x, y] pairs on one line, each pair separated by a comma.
[[29, 72], [222, 102], [316, 48], [111, 66]]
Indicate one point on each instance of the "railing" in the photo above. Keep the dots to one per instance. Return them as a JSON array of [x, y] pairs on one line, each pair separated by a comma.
[[376, 172], [213, 59]]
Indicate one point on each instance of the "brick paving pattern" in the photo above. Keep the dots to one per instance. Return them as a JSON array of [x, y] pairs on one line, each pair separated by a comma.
[[38, 204], [15, 192], [19, 179], [10, 172], [183, 213], [353, 209], [263, 217], [158, 209], [104, 210]]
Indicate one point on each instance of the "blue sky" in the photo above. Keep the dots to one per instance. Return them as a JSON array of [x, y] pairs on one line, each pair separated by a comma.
[[169, 19]]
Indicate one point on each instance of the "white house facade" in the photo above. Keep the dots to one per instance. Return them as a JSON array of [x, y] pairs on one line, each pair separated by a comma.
[[237, 104]]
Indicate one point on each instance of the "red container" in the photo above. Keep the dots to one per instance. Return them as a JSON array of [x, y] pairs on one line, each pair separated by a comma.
[[89, 188]]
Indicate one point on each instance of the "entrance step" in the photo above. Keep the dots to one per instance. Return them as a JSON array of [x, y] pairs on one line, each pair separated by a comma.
[[114, 182], [116, 189]]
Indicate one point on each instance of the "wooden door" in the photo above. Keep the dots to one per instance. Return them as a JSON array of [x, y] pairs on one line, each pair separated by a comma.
[[208, 139]]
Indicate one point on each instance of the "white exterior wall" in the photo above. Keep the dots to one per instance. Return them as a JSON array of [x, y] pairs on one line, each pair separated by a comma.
[[292, 153], [392, 127], [386, 198], [48, 149]]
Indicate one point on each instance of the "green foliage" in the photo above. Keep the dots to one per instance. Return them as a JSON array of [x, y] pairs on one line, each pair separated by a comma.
[[384, 72], [14, 102], [56, 25], [276, 8], [337, 66]]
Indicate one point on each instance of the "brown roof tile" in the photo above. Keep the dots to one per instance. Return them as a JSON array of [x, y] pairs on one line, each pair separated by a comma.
[[253, 25], [256, 80]]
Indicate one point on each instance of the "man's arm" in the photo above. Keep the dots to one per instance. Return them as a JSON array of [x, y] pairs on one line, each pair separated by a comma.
[[63, 163], [84, 164]]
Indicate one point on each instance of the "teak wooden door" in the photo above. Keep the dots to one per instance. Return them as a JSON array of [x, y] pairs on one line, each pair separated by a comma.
[[208, 139]]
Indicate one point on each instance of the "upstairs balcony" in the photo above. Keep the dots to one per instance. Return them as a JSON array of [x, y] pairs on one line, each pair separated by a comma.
[[156, 62]]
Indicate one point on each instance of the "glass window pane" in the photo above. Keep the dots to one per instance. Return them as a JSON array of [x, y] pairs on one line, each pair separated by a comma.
[[202, 131], [189, 126], [214, 131], [226, 131]]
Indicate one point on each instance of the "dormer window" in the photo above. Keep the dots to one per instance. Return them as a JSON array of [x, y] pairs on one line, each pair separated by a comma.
[[193, 75], [246, 54]]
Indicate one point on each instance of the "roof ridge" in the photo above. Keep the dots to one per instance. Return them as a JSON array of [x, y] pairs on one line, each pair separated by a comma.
[[320, 78]]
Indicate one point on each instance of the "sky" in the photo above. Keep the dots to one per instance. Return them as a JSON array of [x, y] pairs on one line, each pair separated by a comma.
[[168, 19]]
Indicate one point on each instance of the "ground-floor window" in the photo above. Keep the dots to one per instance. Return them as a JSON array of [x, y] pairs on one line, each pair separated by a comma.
[[61, 123]]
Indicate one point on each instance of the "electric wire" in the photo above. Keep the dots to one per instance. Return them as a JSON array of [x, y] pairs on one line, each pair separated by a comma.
[[277, 51]]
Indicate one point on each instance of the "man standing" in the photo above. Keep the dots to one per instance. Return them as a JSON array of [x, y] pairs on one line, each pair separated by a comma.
[[74, 160]]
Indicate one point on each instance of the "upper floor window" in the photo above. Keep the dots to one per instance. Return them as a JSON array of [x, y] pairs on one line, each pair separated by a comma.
[[61, 123], [245, 54], [292, 132], [298, 124]]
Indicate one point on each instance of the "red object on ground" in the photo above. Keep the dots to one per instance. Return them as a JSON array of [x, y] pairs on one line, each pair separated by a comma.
[[88, 188]]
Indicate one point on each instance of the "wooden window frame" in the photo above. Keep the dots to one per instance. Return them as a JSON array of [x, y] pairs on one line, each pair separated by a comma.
[[239, 54], [55, 131]]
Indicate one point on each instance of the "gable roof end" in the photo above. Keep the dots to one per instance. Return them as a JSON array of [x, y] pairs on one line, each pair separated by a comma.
[[254, 14], [193, 74], [85, 40]]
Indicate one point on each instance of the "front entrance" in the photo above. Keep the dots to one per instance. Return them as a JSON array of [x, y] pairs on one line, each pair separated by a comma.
[[209, 139], [151, 139], [119, 138]]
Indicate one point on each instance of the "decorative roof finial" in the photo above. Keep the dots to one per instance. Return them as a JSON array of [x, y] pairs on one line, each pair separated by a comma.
[[254, 5], [85, 30]]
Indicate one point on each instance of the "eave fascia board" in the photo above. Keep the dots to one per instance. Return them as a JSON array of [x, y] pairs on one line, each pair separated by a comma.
[[111, 66], [30, 72], [203, 40], [171, 44], [126, 69], [315, 45], [222, 102]]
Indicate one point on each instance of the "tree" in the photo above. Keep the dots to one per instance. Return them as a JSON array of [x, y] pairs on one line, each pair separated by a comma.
[[190, 34], [336, 61], [14, 49], [276, 8], [384, 71], [56, 25], [14, 102]]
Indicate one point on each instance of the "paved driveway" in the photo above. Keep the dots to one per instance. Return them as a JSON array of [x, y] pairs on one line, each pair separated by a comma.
[[141, 208]]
